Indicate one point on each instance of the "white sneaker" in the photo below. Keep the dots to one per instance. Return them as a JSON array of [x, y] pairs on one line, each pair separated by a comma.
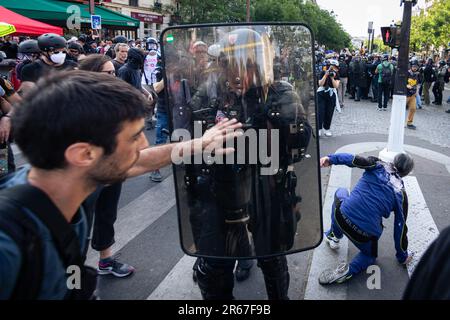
[[332, 241], [338, 275], [328, 133], [320, 132]]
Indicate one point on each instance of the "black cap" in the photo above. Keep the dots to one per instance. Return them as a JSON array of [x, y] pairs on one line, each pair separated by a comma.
[[75, 46], [120, 39]]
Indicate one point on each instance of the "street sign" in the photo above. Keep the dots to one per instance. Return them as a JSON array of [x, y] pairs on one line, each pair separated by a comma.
[[96, 22], [370, 27]]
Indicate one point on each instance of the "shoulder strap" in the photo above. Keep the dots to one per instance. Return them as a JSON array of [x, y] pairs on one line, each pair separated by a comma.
[[66, 240], [18, 226]]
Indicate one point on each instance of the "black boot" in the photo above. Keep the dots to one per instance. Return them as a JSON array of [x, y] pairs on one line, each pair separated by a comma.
[[215, 283], [276, 277]]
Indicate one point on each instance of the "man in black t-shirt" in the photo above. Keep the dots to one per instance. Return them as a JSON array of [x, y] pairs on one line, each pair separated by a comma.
[[343, 73], [53, 57]]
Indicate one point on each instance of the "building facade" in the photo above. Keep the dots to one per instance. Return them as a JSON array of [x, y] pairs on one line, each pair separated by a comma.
[[154, 15]]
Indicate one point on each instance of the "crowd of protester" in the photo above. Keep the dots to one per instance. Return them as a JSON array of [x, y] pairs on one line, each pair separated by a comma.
[[371, 77]]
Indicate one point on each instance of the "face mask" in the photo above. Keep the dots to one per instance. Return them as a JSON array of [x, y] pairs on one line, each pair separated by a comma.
[[58, 58]]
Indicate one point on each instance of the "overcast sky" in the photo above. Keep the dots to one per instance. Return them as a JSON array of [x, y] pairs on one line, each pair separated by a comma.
[[355, 15]]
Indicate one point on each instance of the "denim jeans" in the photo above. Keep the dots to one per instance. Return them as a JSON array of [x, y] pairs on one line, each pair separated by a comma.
[[162, 125], [418, 101]]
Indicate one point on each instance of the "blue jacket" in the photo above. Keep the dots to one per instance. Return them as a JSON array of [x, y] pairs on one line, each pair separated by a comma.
[[379, 192], [54, 285]]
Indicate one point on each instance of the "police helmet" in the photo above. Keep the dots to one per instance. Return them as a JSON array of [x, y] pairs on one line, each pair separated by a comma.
[[151, 40], [151, 44], [29, 46], [404, 164], [442, 63], [51, 41], [414, 62], [245, 54]]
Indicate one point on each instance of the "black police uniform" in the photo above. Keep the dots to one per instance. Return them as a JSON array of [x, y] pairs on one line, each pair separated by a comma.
[[240, 197]]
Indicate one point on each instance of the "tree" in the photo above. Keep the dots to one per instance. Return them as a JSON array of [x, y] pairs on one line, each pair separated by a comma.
[[326, 29], [378, 46], [209, 11], [431, 26]]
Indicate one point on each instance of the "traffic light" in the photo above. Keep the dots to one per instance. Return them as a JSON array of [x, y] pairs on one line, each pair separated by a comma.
[[391, 36]]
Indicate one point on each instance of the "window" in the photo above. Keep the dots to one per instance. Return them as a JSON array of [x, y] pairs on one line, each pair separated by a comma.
[[134, 3]]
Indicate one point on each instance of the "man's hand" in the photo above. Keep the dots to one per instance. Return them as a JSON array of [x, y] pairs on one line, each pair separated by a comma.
[[214, 138], [159, 156], [325, 162], [5, 129], [408, 259]]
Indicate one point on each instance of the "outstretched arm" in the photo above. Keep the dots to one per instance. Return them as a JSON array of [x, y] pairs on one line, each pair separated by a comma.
[[212, 140], [349, 160]]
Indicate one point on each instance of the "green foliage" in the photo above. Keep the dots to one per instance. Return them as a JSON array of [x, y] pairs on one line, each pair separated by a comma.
[[378, 46], [209, 11], [431, 27], [326, 29]]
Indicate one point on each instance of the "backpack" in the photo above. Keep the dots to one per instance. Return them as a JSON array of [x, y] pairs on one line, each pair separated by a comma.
[[343, 70], [24, 232], [386, 74]]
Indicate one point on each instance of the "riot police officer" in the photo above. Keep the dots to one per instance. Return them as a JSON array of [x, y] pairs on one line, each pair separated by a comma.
[[234, 209]]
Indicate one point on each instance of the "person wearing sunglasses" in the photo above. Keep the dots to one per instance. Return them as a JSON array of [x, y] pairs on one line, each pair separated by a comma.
[[52, 58]]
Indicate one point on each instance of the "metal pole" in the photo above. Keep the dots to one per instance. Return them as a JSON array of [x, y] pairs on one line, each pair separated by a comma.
[[248, 10], [91, 7], [397, 127], [371, 44]]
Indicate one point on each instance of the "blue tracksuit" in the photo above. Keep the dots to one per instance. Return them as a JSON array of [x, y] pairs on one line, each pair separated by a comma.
[[379, 191]]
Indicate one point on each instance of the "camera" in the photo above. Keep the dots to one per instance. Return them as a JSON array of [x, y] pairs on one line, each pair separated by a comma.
[[332, 73]]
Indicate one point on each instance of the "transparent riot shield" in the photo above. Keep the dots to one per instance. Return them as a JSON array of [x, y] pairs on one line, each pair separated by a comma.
[[264, 199]]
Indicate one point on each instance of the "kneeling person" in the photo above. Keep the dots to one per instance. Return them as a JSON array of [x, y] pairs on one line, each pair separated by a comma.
[[359, 215]]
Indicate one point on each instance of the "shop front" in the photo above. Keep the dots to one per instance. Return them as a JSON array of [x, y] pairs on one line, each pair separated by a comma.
[[74, 18], [151, 24]]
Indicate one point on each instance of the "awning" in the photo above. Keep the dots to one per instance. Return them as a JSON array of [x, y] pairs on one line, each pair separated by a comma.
[[59, 10], [27, 26], [6, 28]]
